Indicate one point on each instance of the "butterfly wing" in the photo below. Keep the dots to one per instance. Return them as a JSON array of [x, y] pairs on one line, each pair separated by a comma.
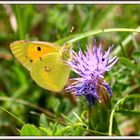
[[50, 72], [29, 51]]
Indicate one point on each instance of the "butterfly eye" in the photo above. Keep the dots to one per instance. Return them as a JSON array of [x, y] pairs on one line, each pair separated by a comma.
[[38, 48], [103, 59]]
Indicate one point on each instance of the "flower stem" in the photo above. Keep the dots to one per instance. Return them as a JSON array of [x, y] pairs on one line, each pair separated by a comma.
[[77, 37], [84, 35], [112, 115]]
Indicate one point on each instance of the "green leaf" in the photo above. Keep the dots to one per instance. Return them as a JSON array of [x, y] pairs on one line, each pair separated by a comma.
[[126, 62], [43, 120], [67, 128], [136, 54], [83, 118], [66, 118], [55, 128], [46, 131], [29, 130], [77, 117], [128, 112]]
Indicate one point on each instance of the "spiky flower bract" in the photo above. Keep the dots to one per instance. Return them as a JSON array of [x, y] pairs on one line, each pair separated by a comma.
[[90, 66]]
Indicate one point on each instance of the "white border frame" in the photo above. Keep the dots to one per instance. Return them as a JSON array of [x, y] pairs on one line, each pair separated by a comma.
[[70, 137], [70, 2]]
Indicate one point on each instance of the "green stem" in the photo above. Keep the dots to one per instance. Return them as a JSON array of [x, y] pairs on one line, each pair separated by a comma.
[[115, 107], [84, 35], [77, 37], [112, 115]]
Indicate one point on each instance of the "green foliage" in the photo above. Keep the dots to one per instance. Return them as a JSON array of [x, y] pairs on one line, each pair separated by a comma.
[[28, 110], [126, 62], [29, 130]]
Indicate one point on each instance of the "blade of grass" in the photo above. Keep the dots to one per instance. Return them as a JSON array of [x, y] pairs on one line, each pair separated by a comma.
[[135, 42], [112, 115], [61, 131], [46, 131], [127, 62], [117, 50], [65, 117], [96, 132], [12, 115], [77, 117], [19, 18], [103, 16], [130, 89], [128, 112], [48, 114]]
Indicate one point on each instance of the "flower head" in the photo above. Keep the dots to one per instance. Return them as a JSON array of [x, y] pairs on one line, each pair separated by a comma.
[[91, 67]]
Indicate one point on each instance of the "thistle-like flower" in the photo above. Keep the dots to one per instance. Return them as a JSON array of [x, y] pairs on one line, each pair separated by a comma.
[[90, 66]]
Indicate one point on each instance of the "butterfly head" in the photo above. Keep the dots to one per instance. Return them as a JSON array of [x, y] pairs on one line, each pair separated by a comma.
[[66, 51]]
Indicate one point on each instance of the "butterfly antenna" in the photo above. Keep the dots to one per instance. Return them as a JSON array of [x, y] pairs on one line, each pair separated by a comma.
[[70, 32]]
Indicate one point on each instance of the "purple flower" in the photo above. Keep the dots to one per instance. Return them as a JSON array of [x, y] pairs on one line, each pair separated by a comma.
[[91, 67]]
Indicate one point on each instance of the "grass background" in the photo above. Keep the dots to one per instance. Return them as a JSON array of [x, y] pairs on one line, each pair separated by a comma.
[[22, 101]]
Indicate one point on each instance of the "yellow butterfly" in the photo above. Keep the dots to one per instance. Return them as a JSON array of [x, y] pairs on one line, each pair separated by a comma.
[[45, 62]]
